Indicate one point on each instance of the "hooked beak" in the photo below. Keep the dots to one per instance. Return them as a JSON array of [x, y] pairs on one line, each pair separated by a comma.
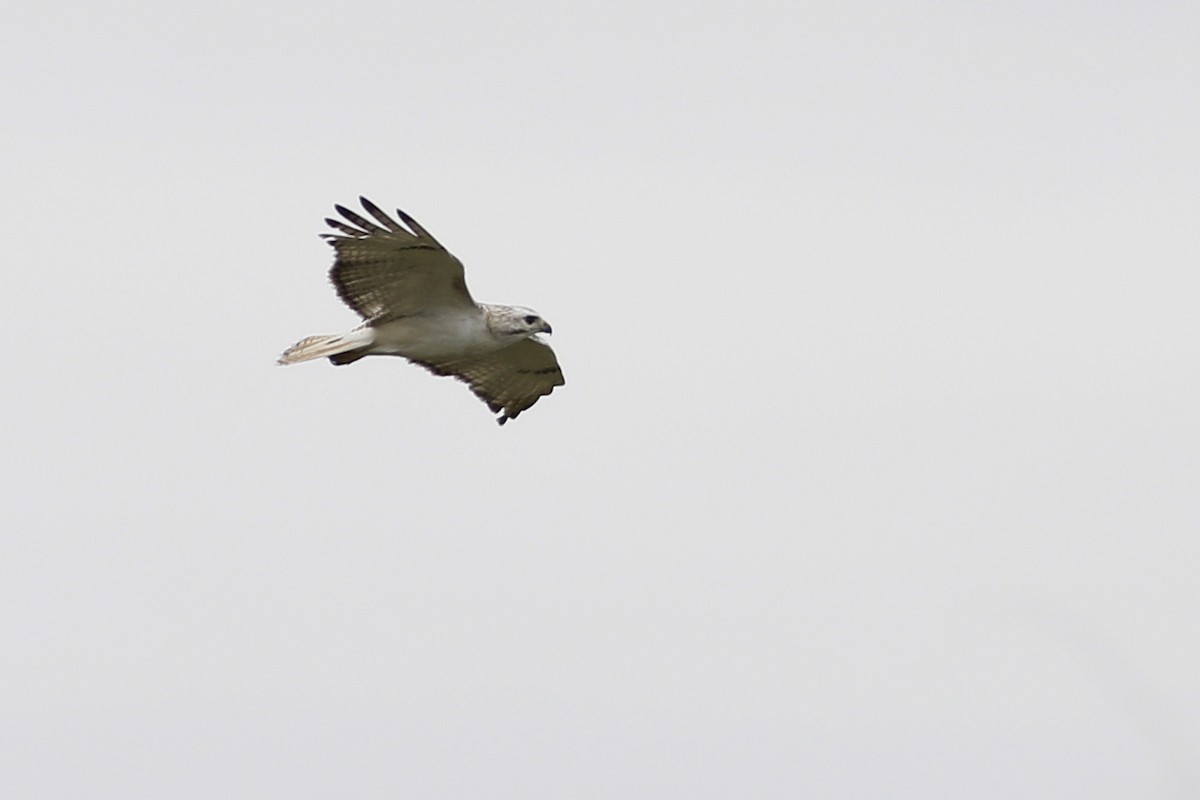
[[546, 328]]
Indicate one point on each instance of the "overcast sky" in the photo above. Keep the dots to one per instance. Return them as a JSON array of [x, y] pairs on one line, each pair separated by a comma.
[[875, 473]]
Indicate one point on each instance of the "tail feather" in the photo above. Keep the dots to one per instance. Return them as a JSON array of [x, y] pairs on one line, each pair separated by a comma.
[[336, 347]]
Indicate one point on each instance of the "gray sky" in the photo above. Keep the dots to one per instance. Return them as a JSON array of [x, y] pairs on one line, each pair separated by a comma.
[[874, 476]]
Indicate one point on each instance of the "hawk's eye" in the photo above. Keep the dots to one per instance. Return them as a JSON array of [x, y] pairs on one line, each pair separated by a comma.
[[530, 319]]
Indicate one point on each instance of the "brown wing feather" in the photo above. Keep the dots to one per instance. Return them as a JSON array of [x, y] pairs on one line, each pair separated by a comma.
[[509, 380], [385, 272]]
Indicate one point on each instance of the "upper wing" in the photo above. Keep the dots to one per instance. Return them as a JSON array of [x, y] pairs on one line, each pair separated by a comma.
[[385, 271], [508, 380]]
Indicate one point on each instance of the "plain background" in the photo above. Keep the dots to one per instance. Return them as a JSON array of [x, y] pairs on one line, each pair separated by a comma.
[[874, 476]]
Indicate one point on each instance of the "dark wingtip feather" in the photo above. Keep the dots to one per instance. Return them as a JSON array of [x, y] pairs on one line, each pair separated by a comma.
[[416, 228], [380, 217], [337, 224], [359, 220], [409, 221]]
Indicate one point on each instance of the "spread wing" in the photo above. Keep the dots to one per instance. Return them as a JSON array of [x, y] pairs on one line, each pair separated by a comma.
[[385, 271], [508, 380]]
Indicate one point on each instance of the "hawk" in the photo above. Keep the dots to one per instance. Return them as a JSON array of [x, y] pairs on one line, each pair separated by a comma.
[[414, 302]]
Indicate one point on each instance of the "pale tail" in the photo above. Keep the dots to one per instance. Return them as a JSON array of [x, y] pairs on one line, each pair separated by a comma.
[[328, 346]]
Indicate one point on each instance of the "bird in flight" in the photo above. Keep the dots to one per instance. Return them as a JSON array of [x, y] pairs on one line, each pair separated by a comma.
[[414, 302]]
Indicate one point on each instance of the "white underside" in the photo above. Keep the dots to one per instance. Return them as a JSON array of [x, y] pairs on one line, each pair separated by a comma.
[[439, 337], [433, 337]]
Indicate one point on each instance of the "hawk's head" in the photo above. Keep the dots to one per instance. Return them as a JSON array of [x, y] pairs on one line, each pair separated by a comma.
[[515, 322]]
